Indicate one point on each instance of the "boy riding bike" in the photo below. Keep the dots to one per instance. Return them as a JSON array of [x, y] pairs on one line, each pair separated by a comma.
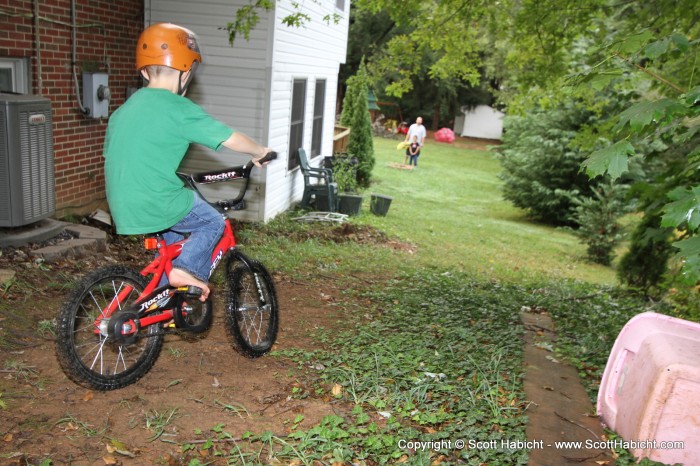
[[146, 140]]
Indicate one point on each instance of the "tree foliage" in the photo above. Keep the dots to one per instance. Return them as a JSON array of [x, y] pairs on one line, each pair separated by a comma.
[[541, 163], [667, 112], [247, 18]]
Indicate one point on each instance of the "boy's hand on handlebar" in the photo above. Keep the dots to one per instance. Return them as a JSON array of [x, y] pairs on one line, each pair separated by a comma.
[[264, 158]]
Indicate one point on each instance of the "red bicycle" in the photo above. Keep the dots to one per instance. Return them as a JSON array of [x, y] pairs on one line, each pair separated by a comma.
[[111, 328]]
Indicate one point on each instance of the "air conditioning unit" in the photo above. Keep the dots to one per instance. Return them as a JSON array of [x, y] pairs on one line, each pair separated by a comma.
[[27, 192]]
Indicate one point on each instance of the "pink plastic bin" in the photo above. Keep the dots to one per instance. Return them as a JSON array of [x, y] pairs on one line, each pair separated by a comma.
[[650, 392]]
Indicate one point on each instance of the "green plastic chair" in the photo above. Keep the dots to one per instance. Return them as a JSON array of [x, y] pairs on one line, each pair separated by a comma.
[[319, 184]]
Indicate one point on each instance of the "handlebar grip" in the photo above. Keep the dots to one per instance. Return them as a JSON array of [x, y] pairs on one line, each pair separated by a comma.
[[268, 157]]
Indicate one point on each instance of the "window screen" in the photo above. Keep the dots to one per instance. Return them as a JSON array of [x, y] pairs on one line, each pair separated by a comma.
[[296, 126], [319, 104]]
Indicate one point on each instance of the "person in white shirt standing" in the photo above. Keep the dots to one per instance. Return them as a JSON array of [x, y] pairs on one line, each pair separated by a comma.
[[417, 129]]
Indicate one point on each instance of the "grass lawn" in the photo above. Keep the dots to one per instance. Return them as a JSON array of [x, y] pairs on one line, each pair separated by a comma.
[[451, 206], [451, 209]]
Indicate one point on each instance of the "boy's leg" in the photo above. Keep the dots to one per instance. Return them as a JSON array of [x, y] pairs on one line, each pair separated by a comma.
[[193, 265]]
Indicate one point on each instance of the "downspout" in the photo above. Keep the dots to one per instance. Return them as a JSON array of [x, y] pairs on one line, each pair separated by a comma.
[[37, 42], [74, 53]]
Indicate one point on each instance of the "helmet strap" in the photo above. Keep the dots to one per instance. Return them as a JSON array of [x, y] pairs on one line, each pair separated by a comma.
[[144, 76], [182, 88]]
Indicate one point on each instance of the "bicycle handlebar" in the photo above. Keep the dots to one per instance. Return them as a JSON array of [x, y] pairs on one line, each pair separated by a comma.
[[227, 174], [269, 157]]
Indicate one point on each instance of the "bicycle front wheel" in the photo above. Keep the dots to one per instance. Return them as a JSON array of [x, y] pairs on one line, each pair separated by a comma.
[[252, 312], [87, 355]]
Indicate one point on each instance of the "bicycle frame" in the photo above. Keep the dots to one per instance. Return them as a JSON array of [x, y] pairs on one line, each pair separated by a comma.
[[155, 298]]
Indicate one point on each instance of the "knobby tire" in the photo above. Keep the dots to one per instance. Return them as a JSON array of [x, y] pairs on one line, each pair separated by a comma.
[[90, 358]]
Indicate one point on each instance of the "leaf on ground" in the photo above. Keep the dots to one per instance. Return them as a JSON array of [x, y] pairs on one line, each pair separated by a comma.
[[174, 382], [544, 345], [115, 446]]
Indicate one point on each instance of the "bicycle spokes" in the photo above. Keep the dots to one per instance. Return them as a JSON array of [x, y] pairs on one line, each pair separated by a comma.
[[252, 311]]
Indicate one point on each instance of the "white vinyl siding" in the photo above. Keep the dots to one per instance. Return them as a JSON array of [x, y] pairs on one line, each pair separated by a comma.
[[313, 52], [249, 86]]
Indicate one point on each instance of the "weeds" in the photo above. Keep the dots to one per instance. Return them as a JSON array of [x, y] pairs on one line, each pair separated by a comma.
[[158, 421], [235, 408], [175, 353], [46, 328], [404, 373], [20, 370], [71, 423]]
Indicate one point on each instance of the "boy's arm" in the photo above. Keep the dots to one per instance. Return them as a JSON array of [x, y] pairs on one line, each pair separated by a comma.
[[239, 142]]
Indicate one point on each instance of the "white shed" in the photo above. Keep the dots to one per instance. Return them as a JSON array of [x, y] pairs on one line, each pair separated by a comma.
[[279, 87], [482, 122]]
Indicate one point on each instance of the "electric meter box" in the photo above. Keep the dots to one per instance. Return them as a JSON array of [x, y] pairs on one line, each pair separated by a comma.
[[96, 94]]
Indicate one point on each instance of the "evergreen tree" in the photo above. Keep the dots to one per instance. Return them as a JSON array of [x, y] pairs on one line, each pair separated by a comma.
[[356, 115]]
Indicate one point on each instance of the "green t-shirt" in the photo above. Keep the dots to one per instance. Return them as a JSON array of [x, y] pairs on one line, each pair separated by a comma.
[[146, 140]]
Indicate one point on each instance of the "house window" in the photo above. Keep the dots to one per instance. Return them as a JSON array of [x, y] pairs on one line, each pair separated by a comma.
[[14, 75], [340, 5], [319, 104], [296, 126]]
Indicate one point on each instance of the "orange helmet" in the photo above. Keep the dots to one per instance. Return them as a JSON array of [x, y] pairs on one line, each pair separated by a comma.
[[168, 45]]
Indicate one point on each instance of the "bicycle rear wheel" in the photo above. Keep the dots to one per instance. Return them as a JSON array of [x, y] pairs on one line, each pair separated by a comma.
[[87, 355], [252, 312]]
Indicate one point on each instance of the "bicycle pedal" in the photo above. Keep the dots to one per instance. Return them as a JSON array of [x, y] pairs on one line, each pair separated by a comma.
[[190, 290]]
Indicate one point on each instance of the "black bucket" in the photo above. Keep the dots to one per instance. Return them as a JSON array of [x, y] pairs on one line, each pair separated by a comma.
[[349, 204], [379, 204]]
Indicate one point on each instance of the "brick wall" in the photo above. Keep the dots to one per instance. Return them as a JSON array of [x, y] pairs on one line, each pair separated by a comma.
[[106, 35]]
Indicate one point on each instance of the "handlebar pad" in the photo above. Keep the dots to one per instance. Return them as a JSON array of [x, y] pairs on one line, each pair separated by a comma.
[[232, 173]]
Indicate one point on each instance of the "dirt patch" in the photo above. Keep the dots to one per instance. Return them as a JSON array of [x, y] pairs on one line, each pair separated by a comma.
[[197, 383]]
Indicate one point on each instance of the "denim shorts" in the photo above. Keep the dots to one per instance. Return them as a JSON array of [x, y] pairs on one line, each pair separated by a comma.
[[205, 225]]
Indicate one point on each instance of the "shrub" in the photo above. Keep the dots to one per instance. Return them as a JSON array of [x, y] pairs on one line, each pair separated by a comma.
[[345, 174], [598, 219], [542, 165], [645, 264], [360, 143]]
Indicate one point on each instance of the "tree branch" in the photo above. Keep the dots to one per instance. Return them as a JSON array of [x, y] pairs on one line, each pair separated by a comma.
[[650, 73]]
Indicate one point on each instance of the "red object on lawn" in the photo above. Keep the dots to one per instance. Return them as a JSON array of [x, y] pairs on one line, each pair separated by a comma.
[[445, 135]]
